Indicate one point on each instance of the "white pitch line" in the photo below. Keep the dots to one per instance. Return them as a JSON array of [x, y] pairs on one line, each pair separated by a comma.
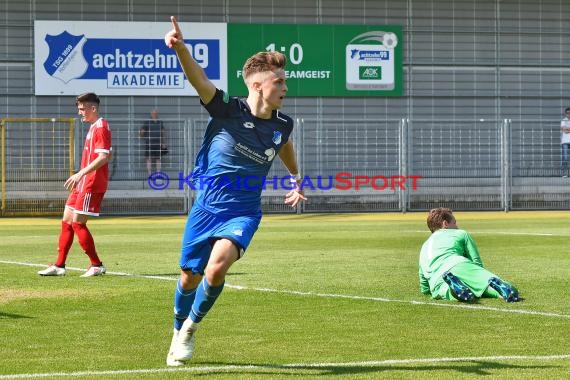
[[329, 295], [412, 302], [307, 366]]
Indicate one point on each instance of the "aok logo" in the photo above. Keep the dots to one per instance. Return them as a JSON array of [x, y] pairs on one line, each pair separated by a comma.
[[370, 72]]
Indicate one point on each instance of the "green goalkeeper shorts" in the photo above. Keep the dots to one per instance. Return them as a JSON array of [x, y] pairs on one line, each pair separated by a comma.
[[475, 277]]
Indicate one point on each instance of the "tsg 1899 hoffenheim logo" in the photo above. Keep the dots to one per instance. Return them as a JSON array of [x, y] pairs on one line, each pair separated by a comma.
[[65, 61]]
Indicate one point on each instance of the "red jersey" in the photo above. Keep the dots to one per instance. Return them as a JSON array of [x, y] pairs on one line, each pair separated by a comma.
[[98, 140]]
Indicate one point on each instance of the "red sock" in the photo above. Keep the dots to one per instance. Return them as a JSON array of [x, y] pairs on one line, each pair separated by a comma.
[[86, 241], [65, 242]]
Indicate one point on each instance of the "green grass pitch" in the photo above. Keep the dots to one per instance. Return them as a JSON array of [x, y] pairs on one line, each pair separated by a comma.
[[316, 296]]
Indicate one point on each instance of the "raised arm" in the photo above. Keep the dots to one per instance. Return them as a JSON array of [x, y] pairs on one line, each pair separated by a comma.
[[193, 71]]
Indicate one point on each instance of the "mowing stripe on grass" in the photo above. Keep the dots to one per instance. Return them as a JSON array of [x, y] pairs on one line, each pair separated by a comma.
[[326, 295], [483, 232], [307, 366]]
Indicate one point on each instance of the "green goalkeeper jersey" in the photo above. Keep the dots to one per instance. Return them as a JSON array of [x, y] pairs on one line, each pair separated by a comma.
[[444, 249]]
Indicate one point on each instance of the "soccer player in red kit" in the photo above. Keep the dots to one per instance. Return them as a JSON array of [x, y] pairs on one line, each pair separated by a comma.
[[87, 188]]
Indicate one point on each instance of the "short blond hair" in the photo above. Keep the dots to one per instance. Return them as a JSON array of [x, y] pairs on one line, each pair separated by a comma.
[[263, 61]]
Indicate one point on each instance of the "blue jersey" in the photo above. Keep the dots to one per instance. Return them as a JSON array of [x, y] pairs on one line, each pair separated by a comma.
[[236, 155]]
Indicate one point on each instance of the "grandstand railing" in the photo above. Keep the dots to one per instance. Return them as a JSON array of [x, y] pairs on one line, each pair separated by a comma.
[[463, 164]]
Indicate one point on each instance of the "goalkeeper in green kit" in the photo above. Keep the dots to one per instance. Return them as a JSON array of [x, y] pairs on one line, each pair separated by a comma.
[[450, 265]]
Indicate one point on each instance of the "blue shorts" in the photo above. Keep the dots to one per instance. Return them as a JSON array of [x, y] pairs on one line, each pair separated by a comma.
[[203, 229]]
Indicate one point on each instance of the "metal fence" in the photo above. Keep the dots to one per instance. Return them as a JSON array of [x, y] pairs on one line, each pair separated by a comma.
[[34, 152], [350, 165], [129, 191]]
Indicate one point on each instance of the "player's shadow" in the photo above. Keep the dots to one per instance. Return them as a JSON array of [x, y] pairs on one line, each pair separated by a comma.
[[12, 316], [176, 274], [467, 367]]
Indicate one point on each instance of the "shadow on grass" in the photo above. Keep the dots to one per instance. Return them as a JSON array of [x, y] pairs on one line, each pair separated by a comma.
[[176, 274], [12, 316], [468, 367]]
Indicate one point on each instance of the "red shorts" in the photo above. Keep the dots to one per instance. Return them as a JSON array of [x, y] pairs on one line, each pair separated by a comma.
[[85, 203]]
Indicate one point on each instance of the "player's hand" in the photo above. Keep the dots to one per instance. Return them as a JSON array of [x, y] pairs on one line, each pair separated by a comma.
[[173, 37], [72, 181], [294, 197]]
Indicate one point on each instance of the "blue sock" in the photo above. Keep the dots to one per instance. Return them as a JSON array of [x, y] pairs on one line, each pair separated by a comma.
[[183, 300], [206, 295]]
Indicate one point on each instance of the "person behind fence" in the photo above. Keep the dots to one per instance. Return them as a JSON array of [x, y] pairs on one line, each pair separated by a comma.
[[87, 188], [153, 134], [565, 142], [450, 266], [242, 138]]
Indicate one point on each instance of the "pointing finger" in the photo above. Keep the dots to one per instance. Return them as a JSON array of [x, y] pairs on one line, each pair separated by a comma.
[[175, 24]]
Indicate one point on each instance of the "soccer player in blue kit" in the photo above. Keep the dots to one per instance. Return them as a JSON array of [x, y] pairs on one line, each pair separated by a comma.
[[241, 140]]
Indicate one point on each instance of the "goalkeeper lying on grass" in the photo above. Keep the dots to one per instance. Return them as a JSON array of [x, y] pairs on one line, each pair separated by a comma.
[[450, 265]]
